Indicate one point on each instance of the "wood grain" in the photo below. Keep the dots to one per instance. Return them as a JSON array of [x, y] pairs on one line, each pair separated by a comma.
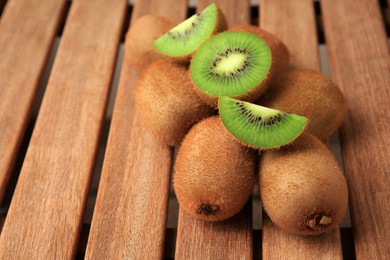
[[175, 10], [360, 64], [294, 23], [231, 239], [131, 208], [27, 31], [236, 12], [46, 211]]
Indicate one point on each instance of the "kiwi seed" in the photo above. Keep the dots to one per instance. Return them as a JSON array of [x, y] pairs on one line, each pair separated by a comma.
[[302, 187], [166, 103], [138, 45], [259, 127], [213, 174], [314, 96], [185, 38]]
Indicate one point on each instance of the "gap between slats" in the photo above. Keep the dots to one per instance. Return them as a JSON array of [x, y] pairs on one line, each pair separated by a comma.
[[2, 6]]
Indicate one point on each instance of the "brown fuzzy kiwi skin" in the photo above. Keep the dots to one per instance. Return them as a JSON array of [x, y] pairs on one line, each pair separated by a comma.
[[214, 174], [139, 48], [279, 64], [302, 187], [166, 103], [310, 94]]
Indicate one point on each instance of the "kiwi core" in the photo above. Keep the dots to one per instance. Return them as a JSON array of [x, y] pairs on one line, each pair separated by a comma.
[[185, 27], [258, 110], [231, 63]]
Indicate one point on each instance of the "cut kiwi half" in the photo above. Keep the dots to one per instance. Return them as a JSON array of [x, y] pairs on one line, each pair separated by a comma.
[[186, 37], [257, 126], [234, 64]]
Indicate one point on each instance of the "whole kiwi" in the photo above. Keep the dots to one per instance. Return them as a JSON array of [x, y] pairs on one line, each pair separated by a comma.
[[280, 53], [302, 187], [310, 94], [166, 103], [214, 174], [140, 37]]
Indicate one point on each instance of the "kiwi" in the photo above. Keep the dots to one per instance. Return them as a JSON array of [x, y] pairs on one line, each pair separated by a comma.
[[139, 49], [257, 126], [235, 64], [166, 103], [214, 174], [185, 38], [302, 187], [311, 94], [280, 53]]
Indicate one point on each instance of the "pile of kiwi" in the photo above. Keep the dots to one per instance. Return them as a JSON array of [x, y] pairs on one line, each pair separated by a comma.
[[224, 94]]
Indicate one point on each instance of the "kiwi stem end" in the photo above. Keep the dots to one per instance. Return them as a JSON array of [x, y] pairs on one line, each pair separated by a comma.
[[207, 209]]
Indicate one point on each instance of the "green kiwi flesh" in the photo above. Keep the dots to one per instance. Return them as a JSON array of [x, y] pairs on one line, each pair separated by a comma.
[[231, 64], [302, 187], [257, 126], [186, 37], [214, 174]]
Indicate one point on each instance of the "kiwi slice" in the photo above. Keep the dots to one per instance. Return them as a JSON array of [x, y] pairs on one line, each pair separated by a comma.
[[233, 64], [186, 37], [259, 126]]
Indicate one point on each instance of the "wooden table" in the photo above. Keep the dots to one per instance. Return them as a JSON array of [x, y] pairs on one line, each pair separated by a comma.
[[52, 152]]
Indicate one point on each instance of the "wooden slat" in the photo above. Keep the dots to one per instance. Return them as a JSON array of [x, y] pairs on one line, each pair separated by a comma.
[[27, 31], [45, 216], [231, 239], [131, 208], [236, 12], [360, 64], [174, 10], [294, 23]]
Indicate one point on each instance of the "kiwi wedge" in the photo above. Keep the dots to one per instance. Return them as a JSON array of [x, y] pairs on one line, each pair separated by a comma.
[[166, 102], [311, 94], [139, 50], [257, 126], [234, 64], [185, 38], [302, 187], [214, 174]]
